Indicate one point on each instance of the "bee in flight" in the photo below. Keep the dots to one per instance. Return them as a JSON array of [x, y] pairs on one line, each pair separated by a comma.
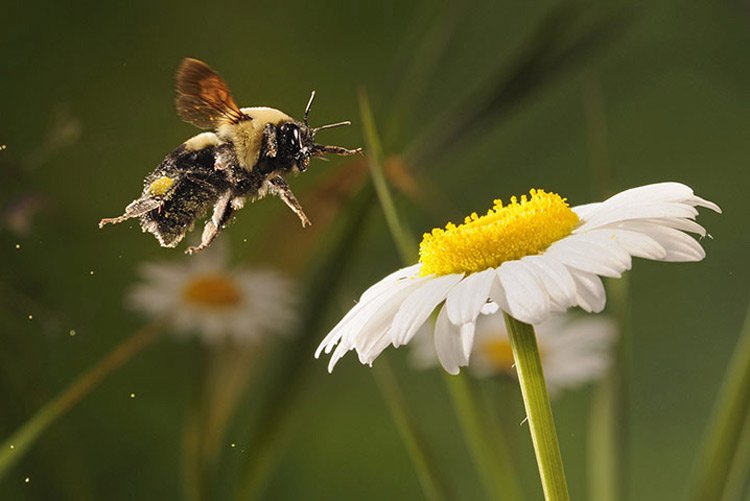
[[247, 156]]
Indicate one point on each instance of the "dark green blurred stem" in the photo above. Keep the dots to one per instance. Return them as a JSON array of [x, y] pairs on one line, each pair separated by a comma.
[[602, 441], [14, 448], [721, 439], [566, 38], [602, 174], [222, 376], [489, 450], [606, 430], [194, 475], [276, 420], [428, 475], [738, 479], [538, 409], [404, 241], [422, 67], [433, 486]]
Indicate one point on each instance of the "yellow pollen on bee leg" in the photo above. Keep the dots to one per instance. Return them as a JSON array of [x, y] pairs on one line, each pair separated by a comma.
[[505, 233], [160, 186], [214, 291]]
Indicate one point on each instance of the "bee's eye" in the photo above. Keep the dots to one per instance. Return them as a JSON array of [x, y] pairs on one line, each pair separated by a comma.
[[291, 136]]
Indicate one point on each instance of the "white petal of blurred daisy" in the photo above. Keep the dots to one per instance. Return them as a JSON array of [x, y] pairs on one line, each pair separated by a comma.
[[202, 295], [575, 350], [531, 257]]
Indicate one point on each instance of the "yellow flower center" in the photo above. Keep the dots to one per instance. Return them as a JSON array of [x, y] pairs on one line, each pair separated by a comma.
[[160, 186], [505, 233], [500, 354], [214, 291]]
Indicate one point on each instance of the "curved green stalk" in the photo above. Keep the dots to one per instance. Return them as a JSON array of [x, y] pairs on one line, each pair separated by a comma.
[[721, 439], [433, 486], [489, 450], [538, 409], [14, 448]]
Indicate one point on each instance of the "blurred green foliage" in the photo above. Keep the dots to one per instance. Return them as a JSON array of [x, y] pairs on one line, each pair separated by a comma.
[[643, 91]]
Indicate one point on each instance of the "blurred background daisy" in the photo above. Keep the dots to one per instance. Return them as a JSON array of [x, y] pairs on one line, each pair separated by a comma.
[[575, 349], [206, 297]]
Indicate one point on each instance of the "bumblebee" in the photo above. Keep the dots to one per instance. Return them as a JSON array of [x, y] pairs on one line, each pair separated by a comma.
[[247, 156]]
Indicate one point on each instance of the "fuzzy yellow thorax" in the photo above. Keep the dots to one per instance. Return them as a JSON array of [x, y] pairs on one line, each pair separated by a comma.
[[505, 233]]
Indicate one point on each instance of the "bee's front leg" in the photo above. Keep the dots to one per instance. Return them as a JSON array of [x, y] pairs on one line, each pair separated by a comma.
[[278, 186]]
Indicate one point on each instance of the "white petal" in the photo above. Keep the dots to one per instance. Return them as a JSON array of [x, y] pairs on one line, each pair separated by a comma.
[[702, 202], [658, 192], [371, 301], [634, 243], [448, 344], [590, 290], [686, 225], [607, 214], [582, 253], [556, 279], [467, 298], [415, 310], [467, 339], [388, 281], [525, 296], [679, 246], [380, 321]]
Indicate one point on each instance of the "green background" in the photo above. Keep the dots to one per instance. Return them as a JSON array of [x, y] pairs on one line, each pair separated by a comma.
[[669, 86]]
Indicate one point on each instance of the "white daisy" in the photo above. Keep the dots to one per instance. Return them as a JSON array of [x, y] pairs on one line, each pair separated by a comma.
[[202, 295], [531, 258], [574, 350]]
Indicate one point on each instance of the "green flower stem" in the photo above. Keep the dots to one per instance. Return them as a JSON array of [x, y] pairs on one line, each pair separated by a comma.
[[538, 409], [489, 450], [721, 440], [15, 447], [433, 487]]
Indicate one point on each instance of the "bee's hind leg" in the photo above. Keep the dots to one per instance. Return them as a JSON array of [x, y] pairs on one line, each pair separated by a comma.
[[136, 208], [278, 186], [223, 211]]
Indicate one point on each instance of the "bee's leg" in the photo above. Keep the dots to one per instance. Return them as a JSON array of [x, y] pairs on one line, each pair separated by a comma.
[[223, 211], [136, 208], [278, 186]]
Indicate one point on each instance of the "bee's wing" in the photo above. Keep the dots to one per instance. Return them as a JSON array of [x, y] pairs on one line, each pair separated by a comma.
[[203, 98]]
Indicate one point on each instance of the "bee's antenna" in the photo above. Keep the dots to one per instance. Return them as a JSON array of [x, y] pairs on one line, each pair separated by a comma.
[[331, 126], [309, 105]]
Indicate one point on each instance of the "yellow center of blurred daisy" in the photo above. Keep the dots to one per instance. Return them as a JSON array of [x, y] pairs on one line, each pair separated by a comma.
[[216, 291], [500, 354], [505, 233]]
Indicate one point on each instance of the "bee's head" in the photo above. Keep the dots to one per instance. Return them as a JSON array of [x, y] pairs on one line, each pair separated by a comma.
[[300, 140]]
